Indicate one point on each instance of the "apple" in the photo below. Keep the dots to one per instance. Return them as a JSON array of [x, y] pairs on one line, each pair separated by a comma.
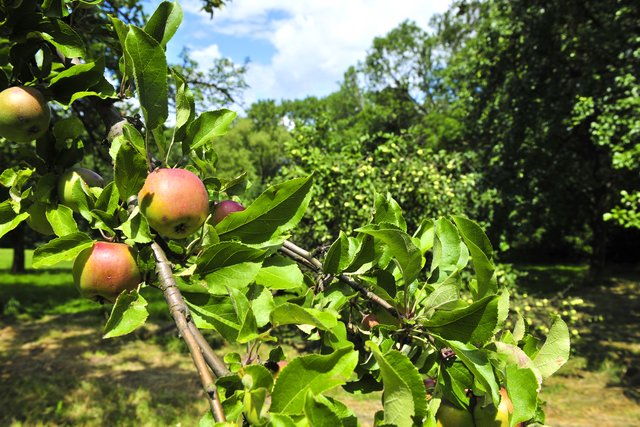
[[174, 201], [104, 270], [449, 415], [38, 219], [490, 416], [86, 177], [24, 114], [223, 208]]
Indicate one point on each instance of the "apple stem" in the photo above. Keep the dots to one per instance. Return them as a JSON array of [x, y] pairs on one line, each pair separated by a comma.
[[195, 342], [302, 256]]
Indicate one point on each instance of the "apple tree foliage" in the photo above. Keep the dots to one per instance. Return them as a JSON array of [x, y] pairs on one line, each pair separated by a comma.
[[439, 330]]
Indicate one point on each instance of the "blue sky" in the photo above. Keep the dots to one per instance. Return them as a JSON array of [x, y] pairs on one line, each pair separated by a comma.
[[296, 48]]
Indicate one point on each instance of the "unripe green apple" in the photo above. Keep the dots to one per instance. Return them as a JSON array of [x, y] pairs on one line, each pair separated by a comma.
[[223, 208], [106, 269], [174, 201], [451, 416], [24, 114], [38, 219], [490, 416], [67, 181]]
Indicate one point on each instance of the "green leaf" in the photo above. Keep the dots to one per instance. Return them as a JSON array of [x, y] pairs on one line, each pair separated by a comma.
[[478, 363], [254, 406], [279, 272], [555, 350], [164, 22], [8, 177], [456, 379], [248, 326], [481, 254], [236, 276], [130, 171], [447, 251], [150, 73], [389, 211], [340, 255], [521, 385], [519, 328], [136, 227], [70, 128], [293, 314], [104, 221], [443, 294], [9, 219], [81, 198], [217, 313], [274, 212], [262, 307], [475, 323], [160, 140], [319, 414], [64, 248], [121, 31], [404, 395], [185, 107], [401, 247], [257, 376], [63, 37], [281, 420], [425, 234], [109, 199], [76, 81], [15, 180], [61, 219], [208, 126], [511, 354], [346, 415], [225, 254], [133, 136], [128, 313], [313, 373]]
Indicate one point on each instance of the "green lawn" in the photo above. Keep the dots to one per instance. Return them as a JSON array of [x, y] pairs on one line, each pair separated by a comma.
[[6, 257], [57, 370]]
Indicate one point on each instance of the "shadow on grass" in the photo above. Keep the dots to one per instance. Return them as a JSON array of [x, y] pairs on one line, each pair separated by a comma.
[[59, 371], [55, 368], [612, 340]]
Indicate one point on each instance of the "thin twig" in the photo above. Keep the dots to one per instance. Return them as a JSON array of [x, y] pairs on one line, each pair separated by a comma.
[[216, 364], [303, 254], [300, 255]]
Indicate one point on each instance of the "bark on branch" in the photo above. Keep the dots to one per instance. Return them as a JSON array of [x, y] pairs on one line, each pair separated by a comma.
[[180, 313], [300, 255]]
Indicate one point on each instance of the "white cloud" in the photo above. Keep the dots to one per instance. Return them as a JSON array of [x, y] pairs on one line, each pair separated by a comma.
[[315, 41], [205, 56]]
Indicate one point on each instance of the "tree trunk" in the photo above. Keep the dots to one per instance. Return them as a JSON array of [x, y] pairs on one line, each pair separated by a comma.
[[17, 242]]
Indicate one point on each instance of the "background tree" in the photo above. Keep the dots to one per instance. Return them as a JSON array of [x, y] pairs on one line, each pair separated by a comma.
[[520, 77]]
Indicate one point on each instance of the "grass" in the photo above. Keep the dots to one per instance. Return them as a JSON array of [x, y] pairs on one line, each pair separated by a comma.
[[6, 257], [56, 370]]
